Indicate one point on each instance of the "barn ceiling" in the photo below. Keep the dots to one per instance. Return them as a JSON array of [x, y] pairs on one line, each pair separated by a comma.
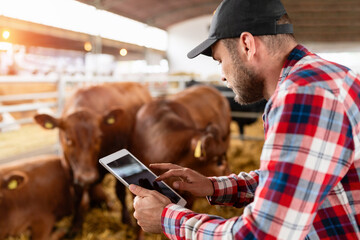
[[314, 20]]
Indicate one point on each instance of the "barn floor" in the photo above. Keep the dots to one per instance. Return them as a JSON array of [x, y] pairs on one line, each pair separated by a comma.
[[101, 224]]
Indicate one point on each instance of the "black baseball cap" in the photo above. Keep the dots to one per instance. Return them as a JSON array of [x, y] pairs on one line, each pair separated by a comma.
[[232, 17]]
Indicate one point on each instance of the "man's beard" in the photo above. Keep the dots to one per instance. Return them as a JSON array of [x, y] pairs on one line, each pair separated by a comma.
[[246, 84]]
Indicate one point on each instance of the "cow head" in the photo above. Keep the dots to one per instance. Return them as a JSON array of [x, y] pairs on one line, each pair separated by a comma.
[[209, 151], [81, 136]]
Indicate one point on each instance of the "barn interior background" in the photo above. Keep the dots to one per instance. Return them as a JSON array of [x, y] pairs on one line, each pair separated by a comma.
[[49, 48]]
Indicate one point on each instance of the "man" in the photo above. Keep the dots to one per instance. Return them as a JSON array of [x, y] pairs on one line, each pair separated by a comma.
[[308, 184]]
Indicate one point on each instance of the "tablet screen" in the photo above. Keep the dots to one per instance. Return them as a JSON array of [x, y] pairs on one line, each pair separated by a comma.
[[133, 172]]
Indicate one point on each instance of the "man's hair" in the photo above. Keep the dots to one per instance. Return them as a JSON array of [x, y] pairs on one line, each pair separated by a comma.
[[272, 42]]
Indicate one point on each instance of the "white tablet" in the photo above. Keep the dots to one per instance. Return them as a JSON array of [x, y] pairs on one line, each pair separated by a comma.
[[129, 170]]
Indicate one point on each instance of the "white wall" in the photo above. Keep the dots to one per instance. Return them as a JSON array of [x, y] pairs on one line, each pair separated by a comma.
[[345, 53], [183, 37], [186, 35]]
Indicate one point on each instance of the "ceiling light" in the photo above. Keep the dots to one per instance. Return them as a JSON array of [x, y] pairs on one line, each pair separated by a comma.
[[87, 46], [5, 34], [123, 52]]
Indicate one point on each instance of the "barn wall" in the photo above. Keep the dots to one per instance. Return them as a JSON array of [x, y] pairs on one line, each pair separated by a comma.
[[183, 37]]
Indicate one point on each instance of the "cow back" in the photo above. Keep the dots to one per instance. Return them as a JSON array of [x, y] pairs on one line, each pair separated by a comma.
[[206, 105], [100, 98], [162, 129]]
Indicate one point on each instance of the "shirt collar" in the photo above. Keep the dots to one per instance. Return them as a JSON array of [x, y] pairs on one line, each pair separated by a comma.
[[295, 55]]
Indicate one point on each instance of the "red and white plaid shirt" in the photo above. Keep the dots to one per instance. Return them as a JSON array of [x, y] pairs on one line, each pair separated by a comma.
[[308, 184]]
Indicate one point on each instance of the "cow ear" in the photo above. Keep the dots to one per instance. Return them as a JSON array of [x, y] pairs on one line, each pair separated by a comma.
[[198, 148], [47, 121], [15, 180], [113, 117], [214, 131]]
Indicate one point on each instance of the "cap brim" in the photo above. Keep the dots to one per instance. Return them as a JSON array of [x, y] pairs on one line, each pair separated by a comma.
[[202, 48]]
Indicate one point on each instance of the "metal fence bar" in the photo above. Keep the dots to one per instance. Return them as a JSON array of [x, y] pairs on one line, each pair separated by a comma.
[[61, 83], [247, 138], [27, 79], [61, 87], [26, 107], [28, 96], [16, 122], [246, 114]]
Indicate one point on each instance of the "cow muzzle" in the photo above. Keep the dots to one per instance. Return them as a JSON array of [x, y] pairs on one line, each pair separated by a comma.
[[85, 178]]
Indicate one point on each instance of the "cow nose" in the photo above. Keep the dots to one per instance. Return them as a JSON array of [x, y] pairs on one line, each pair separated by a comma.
[[224, 166], [226, 170], [85, 178]]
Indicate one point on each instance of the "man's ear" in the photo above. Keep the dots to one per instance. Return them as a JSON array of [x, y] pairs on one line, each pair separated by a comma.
[[247, 45], [47, 121]]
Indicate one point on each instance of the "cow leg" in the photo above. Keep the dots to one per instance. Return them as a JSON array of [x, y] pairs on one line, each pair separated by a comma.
[[81, 207], [41, 228], [58, 234], [241, 130], [121, 194], [98, 196], [141, 234]]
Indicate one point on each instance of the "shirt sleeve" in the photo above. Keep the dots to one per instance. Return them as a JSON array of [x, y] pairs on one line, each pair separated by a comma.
[[234, 190], [308, 144]]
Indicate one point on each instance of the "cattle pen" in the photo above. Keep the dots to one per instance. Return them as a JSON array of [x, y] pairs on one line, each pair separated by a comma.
[[21, 98]]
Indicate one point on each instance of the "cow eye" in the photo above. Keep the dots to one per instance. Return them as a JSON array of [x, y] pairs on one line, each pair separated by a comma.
[[218, 160], [69, 142]]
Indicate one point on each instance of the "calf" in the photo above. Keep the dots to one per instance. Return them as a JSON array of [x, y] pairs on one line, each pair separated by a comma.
[[35, 193], [190, 129], [96, 121]]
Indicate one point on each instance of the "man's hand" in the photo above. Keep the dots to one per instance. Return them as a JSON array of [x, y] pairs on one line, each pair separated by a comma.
[[148, 205], [191, 181]]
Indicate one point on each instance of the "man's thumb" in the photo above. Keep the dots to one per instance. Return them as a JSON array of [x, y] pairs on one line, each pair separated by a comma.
[[139, 191]]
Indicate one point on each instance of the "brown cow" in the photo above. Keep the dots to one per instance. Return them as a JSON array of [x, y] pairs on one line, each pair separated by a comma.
[[35, 193], [96, 121], [191, 129]]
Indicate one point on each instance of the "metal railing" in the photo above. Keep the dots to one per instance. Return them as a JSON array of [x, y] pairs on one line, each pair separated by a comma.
[[158, 85], [61, 84]]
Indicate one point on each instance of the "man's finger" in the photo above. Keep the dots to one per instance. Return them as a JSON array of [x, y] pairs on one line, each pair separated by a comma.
[[165, 166], [139, 191], [182, 186], [173, 173]]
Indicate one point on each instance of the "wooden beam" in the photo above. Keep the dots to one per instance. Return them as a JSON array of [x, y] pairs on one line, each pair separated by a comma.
[[33, 34]]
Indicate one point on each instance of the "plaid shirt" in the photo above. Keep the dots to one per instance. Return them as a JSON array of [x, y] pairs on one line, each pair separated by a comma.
[[308, 184]]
